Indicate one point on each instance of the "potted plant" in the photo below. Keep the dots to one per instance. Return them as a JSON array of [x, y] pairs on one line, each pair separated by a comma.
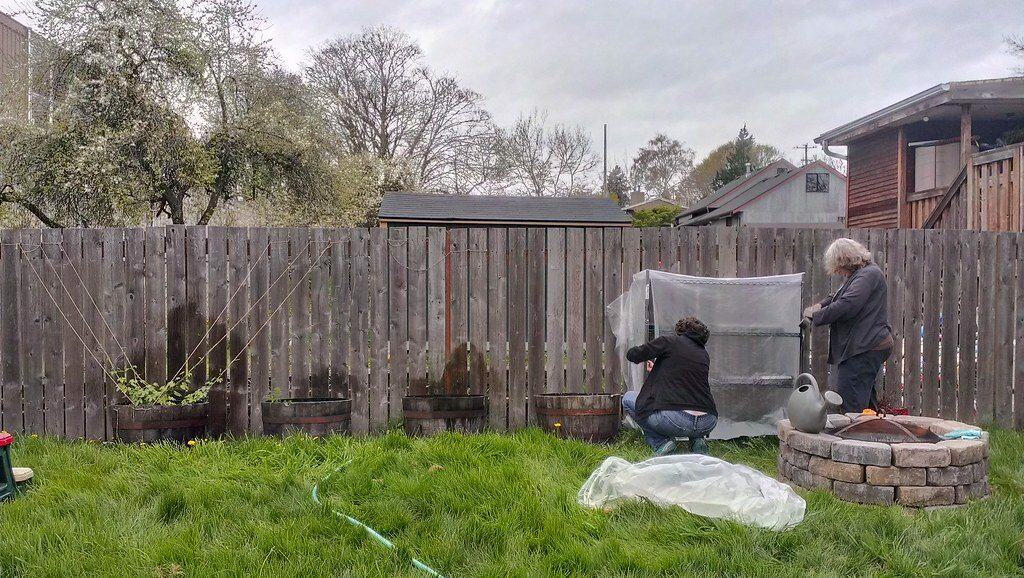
[[175, 410], [316, 416]]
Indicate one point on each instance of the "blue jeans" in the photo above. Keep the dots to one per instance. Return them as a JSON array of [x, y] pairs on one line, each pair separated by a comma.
[[661, 426]]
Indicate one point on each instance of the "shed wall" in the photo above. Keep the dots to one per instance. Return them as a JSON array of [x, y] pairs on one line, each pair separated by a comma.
[[873, 181]]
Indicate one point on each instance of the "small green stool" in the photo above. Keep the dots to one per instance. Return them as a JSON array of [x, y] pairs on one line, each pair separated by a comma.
[[8, 485]]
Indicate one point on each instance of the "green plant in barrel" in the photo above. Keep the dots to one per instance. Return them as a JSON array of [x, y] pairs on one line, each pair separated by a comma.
[[176, 391]]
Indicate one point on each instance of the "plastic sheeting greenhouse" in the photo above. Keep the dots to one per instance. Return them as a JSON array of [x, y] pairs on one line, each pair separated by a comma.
[[754, 345]]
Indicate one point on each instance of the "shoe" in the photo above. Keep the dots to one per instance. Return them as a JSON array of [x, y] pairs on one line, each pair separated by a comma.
[[666, 448], [630, 423], [699, 446]]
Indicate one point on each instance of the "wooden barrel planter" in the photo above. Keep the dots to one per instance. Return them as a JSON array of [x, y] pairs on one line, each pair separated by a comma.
[[156, 423], [431, 414], [313, 416], [585, 416]]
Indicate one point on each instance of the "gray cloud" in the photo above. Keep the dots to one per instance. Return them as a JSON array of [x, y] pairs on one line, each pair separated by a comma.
[[694, 70]]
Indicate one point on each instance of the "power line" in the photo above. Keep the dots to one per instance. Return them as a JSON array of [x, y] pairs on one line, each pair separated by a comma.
[[807, 147]]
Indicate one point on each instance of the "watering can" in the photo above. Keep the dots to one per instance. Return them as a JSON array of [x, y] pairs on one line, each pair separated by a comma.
[[807, 408]]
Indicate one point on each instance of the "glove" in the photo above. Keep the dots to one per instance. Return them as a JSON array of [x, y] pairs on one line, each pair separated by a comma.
[[810, 311]]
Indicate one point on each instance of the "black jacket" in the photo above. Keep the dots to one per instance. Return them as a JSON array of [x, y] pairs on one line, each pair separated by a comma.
[[857, 315], [679, 380]]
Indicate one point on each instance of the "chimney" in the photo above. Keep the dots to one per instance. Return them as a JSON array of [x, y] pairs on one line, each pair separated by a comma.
[[637, 196], [748, 170]]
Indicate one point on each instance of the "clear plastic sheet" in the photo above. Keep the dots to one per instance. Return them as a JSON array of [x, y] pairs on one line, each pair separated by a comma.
[[754, 344], [701, 485]]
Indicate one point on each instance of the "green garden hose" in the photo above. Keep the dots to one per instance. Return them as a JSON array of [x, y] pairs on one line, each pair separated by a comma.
[[373, 533]]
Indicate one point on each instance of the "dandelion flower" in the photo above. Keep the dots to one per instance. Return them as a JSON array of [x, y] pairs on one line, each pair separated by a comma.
[[558, 424], [192, 443], [34, 436]]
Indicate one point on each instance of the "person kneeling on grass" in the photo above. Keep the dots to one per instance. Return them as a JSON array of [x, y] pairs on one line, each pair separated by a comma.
[[675, 401]]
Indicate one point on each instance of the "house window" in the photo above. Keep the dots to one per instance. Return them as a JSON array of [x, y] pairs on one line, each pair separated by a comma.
[[817, 183]]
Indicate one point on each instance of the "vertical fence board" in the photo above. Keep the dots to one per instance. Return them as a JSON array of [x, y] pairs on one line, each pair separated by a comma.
[[378, 384], [555, 315], [708, 251], [97, 359], [536, 319], [575, 263], [477, 261], [75, 356], [259, 323], [53, 325], [236, 332], [359, 376], [932, 309], [1018, 358], [650, 244], [176, 300], [497, 304], [950, 324], [1002, 375], [987, 278], [669, 248], [821, 289], [320, 315], [518, 313], [613, 285], [196, 310], [437, 302], [765, 251], [912, 325], [418, 314], [300, 316], [967, 380], [112, 303], [30, 316], [456, 371], [727, 251], [398, 319], [341, 313], [217, 328], [278, 314], [594, 303], [896, 251]]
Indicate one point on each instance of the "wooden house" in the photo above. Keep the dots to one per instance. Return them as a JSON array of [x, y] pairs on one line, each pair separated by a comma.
[[948, 157]]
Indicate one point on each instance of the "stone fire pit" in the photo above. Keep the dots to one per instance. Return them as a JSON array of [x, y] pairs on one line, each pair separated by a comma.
[[917, 474]]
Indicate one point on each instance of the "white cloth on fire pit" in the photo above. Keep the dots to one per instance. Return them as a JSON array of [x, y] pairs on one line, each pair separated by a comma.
[[699, 484]]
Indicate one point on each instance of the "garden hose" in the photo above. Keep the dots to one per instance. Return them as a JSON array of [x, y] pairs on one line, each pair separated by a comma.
[[373, 533]]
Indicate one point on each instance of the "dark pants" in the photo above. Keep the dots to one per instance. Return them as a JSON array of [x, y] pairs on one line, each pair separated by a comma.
[[855, 380]]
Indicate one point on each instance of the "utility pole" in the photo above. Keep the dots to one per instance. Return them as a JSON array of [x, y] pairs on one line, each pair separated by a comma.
[[604, 179], [807, 147]]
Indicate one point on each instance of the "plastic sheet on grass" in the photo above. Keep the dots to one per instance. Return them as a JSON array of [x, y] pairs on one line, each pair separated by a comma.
[[754, 345], [699, 484]]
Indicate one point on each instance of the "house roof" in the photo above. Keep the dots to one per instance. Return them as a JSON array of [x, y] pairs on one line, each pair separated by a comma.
[[735, 203], [481, 209], [735, 187], [656, 201], [993, 91]]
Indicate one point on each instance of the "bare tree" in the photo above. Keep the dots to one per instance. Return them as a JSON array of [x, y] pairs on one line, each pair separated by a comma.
[[538, 160], [664, 166], [380, 99], [1015, 46]]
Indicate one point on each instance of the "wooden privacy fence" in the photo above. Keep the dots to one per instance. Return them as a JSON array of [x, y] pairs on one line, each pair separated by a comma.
[[375, 314]]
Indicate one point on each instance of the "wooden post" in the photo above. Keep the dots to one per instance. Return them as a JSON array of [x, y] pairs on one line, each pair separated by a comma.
[[965, 160], [902, 210]]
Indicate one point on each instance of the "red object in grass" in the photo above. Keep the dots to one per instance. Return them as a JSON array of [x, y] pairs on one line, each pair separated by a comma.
[[6, 439]]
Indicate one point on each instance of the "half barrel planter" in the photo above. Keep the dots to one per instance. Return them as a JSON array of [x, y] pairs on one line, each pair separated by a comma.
[[426, 415], [319, 417], [157, 423], [584, 416]]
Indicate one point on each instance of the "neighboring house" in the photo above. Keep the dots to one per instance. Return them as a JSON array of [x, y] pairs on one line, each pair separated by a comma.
[[655, 203], [911, 164], [422, 209], [14, 38], [778, 195]]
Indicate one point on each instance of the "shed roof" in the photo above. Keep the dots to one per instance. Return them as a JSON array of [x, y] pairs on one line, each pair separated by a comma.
[[737, 186], [484, 209], [992, 91]]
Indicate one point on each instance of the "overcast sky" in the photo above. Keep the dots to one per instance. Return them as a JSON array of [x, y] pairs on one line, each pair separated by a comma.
[[696, 71]]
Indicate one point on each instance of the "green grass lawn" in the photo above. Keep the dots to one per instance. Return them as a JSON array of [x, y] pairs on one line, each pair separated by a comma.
[[488, 505]]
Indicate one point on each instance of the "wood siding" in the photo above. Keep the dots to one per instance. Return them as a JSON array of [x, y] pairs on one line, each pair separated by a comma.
[[873, 181]]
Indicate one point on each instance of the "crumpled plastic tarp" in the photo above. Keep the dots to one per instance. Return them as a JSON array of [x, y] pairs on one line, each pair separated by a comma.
[[699, 484], [754, 345]]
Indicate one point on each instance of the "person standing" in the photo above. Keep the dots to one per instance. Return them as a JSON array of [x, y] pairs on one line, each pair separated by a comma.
[[675, 401], [860, 339]]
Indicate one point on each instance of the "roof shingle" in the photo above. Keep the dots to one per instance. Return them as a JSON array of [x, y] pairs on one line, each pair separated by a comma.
[[477, 208]]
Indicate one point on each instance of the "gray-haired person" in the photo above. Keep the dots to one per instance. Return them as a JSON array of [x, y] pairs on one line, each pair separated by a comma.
[[860, 339]]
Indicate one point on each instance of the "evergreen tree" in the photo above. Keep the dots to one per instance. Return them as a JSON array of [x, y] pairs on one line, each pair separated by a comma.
[[618, 186], [736, 163]]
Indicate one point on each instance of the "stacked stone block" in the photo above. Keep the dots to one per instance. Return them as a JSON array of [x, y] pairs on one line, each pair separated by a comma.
[[915, 475]]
